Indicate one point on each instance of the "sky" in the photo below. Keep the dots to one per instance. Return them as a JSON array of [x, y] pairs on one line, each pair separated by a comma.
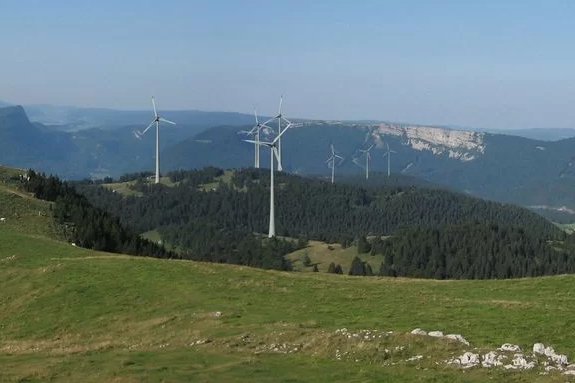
[[485, 64]]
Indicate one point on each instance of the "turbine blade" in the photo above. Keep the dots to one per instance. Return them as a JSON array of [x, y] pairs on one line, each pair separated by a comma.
[[281, 134], [268, 121], [149, 126], [167, 121], [256, 115], [154, 105], [277, 156], [356, 161], [340, 157], [280, 108], [262, 143]]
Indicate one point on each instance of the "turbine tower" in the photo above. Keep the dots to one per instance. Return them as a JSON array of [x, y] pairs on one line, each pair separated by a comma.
[[156, 121], [280, 118], [388, 154], [273, 153], [331, 162], [367, 158], [256, 131]]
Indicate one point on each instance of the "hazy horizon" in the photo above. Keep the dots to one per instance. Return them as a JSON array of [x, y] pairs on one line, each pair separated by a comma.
[[485, 65]]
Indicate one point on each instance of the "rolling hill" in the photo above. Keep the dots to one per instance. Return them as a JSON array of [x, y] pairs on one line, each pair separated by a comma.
[[72, 314], [217, 223], [531, 173]]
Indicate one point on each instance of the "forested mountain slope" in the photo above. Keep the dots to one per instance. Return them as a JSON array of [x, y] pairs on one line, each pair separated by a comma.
[[206, 220]]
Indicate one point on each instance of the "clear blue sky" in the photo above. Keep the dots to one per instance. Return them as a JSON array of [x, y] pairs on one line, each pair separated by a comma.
[[486, 64]]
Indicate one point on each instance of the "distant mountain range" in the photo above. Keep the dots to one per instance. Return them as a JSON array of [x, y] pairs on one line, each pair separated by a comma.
[[108, 150], [534, 173]]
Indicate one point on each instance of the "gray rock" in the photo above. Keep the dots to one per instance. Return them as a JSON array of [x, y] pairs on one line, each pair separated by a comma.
[[457, 338], [509, 347], [418, 331]]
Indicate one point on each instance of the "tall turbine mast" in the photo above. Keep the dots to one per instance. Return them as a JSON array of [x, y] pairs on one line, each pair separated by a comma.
[[256, 131], [155, 121], [367, 158], [388, 154], [331, 162], [273, 153]]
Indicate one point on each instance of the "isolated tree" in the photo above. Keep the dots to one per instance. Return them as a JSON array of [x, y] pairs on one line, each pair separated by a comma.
[[357, 267], [331, 268]]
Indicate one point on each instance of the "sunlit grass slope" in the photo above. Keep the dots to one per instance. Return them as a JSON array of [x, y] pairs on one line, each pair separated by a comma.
[[69, 314]]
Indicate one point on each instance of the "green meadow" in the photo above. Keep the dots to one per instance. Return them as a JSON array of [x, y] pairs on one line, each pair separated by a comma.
[[73, 315]]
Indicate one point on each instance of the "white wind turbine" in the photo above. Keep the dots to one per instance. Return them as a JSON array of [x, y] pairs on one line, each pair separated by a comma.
[[273, 153], [280, 118], [367, 158], [331, 162], [388, 154], [156, 121], [256, 130]]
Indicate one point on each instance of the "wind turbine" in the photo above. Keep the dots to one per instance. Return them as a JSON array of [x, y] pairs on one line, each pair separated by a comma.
[[156, 121], [273, 153], [367, 158], [280, 117], [256, 130], [388, 154], [331, 162]]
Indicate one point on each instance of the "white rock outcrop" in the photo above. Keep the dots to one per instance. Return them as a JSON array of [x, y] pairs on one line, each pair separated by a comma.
[[559, 359], [509, 347], [520, 362], [466, 360], [418, 331], [457, 144], [492, 359], [436, 334], [539, 348], [458, 338]]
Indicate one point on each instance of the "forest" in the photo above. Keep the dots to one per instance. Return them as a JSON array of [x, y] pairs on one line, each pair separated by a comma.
[[434, 233]]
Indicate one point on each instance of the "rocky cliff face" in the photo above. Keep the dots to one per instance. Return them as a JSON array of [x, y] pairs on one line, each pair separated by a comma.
[[458, 144]]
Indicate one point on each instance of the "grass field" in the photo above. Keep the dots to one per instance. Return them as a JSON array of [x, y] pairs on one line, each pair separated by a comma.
[[322, 254], [73, 315], [126, 188], [69, 314]]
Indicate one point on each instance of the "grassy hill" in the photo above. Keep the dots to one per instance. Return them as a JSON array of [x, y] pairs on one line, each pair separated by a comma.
[[69, 314], [21, 211]]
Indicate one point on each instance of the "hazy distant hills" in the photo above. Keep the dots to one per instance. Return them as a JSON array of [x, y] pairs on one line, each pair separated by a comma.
[[500, 167], [109, 150], [528, 172], [549, 134], [73, 118]]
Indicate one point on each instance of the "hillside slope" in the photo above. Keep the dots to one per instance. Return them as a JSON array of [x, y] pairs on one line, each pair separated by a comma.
[[69, 314], [499, 167], [217, 223]]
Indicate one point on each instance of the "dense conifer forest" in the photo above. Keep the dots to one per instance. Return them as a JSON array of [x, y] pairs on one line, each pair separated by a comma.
[[432, 233], [86, 225]]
